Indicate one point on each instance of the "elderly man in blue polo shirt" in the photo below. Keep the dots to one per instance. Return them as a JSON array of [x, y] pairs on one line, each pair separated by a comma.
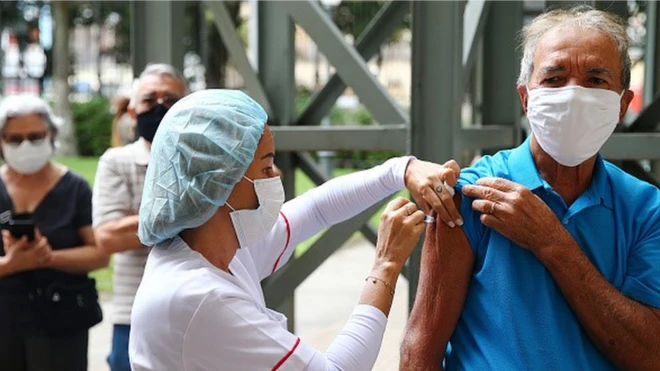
[[557, 264]]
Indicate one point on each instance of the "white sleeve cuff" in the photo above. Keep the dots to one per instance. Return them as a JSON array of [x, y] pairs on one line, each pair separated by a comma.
[[398, 168], [370, 311]]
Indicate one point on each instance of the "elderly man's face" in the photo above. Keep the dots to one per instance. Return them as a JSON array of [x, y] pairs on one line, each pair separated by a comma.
[[155, 89], [577, 56]]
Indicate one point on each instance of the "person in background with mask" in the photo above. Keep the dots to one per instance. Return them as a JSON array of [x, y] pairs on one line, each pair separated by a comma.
[[47, 301], [557, 266], [118, 193], [214, 212]]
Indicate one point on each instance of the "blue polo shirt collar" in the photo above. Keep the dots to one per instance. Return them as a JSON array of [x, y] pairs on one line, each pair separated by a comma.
[[523, 171], [600, 183]]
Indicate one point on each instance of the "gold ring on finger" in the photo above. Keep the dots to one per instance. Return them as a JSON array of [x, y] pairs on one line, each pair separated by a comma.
[[492, 207], [438, 188]]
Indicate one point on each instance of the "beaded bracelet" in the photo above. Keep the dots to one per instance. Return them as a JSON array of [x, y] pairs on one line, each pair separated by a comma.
[[376, 279]]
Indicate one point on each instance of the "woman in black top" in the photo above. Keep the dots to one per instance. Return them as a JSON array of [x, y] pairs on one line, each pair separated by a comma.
[[47, 301]]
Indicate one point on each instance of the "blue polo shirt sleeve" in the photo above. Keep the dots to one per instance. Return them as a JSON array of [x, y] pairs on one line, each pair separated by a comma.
[[472, 226], [642, 279]]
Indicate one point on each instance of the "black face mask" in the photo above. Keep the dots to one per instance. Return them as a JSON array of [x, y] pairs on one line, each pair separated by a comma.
[[148, 122]]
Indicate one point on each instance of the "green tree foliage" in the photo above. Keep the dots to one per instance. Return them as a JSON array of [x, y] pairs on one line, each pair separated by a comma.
[[352, 17], [93, 125]]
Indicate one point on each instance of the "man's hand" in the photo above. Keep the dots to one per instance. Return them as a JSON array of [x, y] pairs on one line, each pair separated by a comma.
[[516, 212], [432, 187]]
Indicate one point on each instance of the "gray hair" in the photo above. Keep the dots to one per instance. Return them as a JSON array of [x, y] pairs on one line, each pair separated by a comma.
[[28, 104], [158, 69], [583, 16]]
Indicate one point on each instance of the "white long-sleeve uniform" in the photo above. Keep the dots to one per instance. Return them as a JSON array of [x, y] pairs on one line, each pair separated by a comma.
[[189, 315]]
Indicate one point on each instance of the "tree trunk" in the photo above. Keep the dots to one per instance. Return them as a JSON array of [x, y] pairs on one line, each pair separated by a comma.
[[61, 90]]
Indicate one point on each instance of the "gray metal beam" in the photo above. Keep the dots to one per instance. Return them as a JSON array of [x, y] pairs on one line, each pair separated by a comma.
[[293, 274], [617, 7], [227, 29], [489, 137], [474, 20], [501, 63], [632, 146], [381, 137], [320, 138], [648, 119], [349, 64], [388, 18], [567, 4], [635, 169], [276, 60], [156, 33], [307, 164], [377, 31], [437, 90], [652, 54], [533, 7], [651, 75]]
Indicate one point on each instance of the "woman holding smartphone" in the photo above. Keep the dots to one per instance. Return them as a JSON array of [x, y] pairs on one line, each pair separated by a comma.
[[47, 301]]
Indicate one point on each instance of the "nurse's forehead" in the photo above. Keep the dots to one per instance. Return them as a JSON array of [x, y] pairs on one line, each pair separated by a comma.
[[266, 143]]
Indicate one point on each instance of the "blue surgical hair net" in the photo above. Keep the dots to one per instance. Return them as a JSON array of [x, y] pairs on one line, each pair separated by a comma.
[[202, 148]]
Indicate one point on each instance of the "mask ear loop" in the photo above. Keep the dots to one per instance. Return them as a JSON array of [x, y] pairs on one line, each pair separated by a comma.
[[227, 203]]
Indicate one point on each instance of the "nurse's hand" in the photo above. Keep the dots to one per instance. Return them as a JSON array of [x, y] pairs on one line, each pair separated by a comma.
[[401, 225], [432, 187]]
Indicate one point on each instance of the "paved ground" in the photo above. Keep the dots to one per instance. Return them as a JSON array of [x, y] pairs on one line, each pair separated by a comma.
[[323, 304]]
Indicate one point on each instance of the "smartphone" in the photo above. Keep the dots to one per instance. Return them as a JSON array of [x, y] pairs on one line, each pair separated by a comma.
[[22, 225]]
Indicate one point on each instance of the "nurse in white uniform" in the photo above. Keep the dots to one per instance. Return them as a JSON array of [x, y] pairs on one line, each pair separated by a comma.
[[213, 208]]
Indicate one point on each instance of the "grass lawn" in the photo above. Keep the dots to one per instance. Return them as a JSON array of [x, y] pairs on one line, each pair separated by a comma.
[[86, 167]]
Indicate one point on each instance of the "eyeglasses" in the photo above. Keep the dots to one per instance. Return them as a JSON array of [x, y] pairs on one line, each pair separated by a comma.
[[168, 100], [17, 139]]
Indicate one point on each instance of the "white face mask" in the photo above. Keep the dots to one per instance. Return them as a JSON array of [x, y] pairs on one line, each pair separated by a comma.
[[28, 157], [572, 123], [252, 226]]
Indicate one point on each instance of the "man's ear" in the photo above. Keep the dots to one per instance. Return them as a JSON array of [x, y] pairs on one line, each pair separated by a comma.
[[522, 93], [626, 99]]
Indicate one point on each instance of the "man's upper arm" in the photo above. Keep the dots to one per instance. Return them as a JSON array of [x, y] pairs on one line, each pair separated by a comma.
[[446, 269], [642, 280], [472, 227], [110, 197]]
